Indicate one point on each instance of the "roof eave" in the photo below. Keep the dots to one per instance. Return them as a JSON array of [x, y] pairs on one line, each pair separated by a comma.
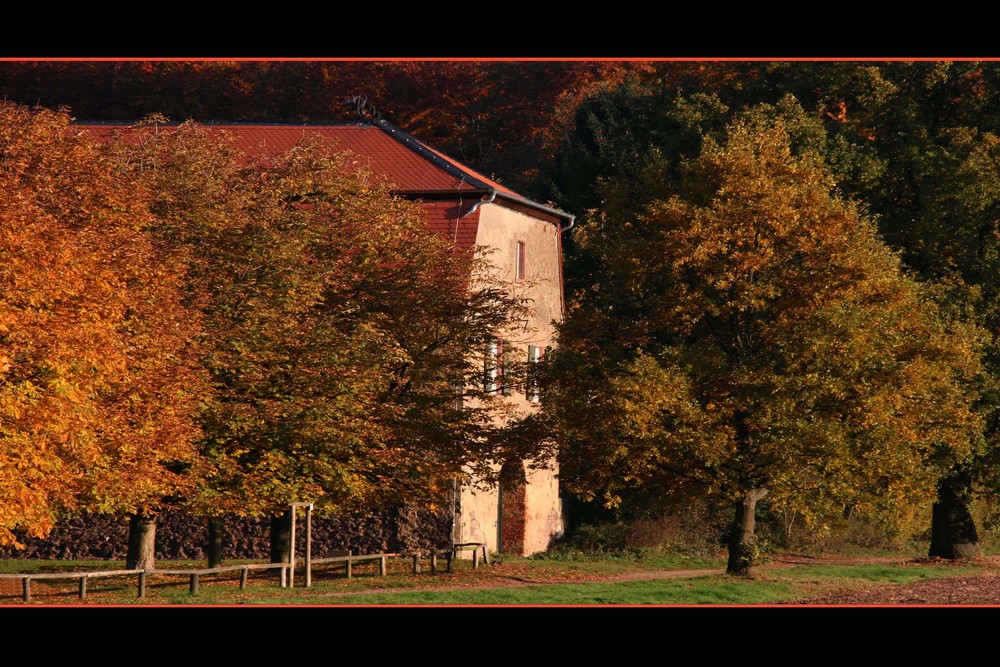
[[566, 220], [441, 194], [488, 196]]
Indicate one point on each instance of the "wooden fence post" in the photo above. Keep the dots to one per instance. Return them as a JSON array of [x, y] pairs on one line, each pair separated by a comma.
[[291, 549], [142, 584], [243, 578], [83, 587], [450, 556], [194, 583], [309, 520], [26, 584], [381, 566], [434, 561], [416, 562], [475, 558]]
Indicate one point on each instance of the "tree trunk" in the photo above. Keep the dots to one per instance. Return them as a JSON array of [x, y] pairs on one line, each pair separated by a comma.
[[742, 548], [141, 542], [281, 533], [953, 530], [215, 527]]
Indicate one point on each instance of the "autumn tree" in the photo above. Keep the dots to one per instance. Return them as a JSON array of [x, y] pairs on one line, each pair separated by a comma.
[[97, 393], [934, 190], [336, 327], [747, 334], [912, 140]]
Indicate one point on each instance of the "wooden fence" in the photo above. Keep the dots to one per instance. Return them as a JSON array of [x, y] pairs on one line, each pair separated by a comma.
[[285, 573], [143, 575], [433, 555]]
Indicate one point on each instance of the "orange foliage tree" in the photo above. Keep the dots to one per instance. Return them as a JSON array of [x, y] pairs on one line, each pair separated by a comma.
[[98, 384]]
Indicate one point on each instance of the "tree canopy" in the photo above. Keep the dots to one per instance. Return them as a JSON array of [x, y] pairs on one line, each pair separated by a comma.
[[747, 332], [181, 325], [623, 144], [98, 387], [336, 326]]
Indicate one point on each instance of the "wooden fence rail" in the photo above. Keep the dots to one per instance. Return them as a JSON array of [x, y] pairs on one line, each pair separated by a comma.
[[284, 569], [449, 553], [142, 576]]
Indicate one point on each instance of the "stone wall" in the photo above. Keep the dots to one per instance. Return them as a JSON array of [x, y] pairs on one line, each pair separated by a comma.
[[183, 537]]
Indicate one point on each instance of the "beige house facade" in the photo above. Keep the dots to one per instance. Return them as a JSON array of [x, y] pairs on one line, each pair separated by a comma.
[[524, 514]]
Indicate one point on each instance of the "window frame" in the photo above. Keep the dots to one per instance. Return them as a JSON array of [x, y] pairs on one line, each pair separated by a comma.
[[520, 260], [491, 372], [532, 383]]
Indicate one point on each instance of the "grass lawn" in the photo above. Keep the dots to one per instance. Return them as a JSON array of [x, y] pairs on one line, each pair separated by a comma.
[[636, 579], [766, 586]]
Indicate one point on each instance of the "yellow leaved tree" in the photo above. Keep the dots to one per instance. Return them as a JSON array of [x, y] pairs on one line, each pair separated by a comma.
[[748, 335]]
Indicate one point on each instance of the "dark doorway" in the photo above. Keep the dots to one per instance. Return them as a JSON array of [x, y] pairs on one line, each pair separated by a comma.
[[512, 509]]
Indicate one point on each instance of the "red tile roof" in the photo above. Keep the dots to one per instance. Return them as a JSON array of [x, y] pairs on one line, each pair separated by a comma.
[[381, 152], [410, 165], [413, 168]]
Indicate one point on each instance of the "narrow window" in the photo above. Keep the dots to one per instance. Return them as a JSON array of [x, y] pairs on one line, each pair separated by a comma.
[[519, 270], [532, 386], [506, 364], [490, 371]]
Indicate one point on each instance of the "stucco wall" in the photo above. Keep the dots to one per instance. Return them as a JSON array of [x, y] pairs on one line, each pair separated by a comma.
[[501, 228], [543, 513], [478, 519]]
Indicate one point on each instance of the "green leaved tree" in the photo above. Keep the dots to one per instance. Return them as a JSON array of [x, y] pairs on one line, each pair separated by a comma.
[[917, 141], [747, 334], [336, 328]]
